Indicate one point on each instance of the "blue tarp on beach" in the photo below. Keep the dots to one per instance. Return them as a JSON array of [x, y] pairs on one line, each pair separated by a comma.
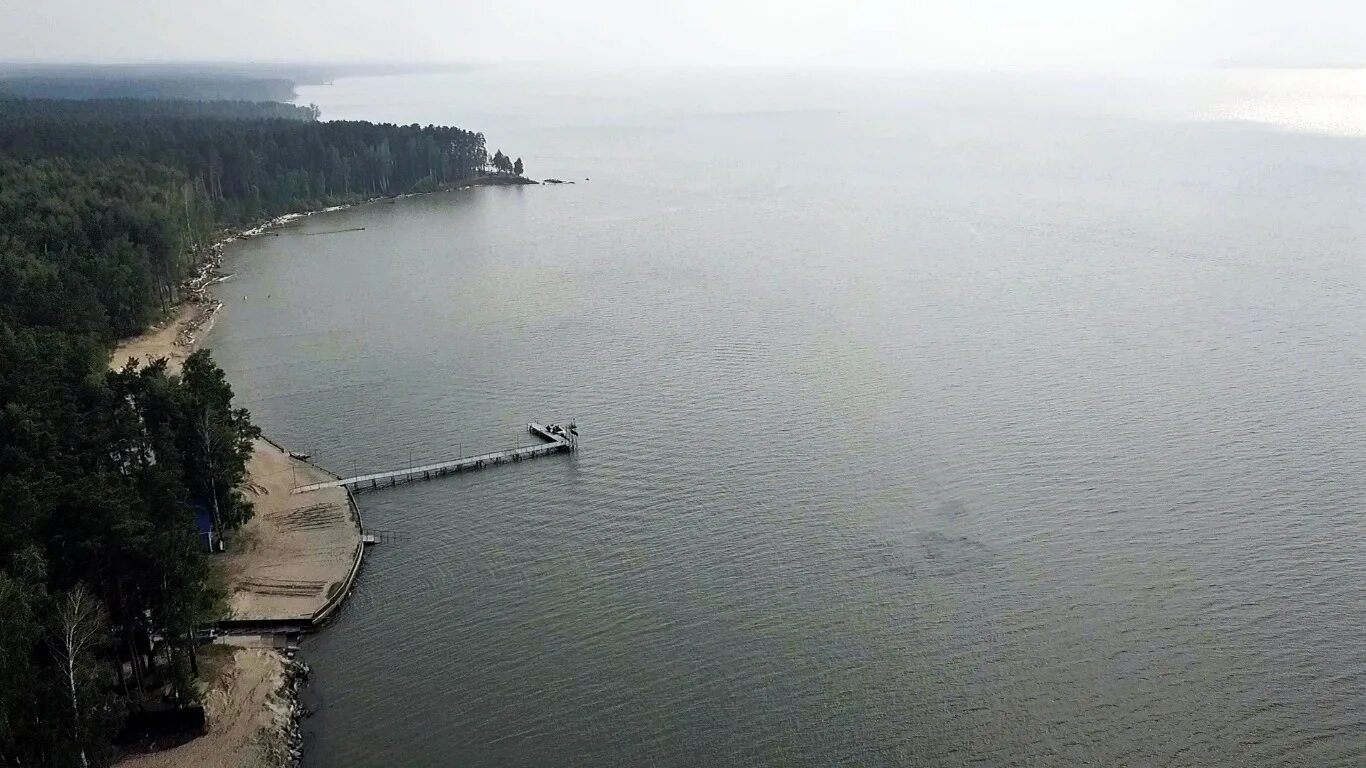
[[203, 523]]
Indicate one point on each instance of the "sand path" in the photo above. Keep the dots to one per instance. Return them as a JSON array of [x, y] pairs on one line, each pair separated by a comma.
[[246, 716]]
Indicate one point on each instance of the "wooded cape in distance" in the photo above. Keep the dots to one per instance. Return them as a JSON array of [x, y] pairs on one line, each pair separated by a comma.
[[105, 207]]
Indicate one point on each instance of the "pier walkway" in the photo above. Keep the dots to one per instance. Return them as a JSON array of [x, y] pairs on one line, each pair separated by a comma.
[[557, 440]]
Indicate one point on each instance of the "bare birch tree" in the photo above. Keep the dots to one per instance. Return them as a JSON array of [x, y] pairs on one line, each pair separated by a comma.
[[208, 437], [78, 625]]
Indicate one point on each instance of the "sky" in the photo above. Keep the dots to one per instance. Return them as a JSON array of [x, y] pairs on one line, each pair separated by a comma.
[[978, 34]]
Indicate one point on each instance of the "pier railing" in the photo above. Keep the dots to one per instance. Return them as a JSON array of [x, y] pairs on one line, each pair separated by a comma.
[[557, 440]]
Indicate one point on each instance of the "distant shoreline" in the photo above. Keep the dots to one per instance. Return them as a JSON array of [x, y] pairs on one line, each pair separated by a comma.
[[192, 316]]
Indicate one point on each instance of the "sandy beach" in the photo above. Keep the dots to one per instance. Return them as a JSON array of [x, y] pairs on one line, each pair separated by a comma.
[[247, 715], [160, 340], [298, 549]]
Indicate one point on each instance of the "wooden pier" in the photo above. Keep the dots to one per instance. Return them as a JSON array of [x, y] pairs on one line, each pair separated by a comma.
[[557, 440]]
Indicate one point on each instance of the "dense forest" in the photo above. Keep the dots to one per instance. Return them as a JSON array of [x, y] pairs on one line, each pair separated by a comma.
[[105, 207], [171, 87], [104, 204], [245, 167], [181, 80], [105, 111]]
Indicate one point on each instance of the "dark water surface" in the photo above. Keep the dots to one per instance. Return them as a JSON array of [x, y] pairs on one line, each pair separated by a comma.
[[925, 422]]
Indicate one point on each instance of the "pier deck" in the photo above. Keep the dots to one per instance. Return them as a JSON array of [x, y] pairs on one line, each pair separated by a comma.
[[555, 443]]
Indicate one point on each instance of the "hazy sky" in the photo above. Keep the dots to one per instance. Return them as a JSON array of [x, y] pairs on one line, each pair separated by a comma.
[[943, 33]]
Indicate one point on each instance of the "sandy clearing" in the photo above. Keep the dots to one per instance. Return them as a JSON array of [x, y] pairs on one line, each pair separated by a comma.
[[247, 718], [297, 549], [159, 340]]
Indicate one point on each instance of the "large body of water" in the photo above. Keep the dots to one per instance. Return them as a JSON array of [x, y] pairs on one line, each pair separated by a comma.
[[927, 421]]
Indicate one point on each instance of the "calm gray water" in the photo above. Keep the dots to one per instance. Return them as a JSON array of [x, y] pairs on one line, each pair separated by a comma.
[[926, 421]]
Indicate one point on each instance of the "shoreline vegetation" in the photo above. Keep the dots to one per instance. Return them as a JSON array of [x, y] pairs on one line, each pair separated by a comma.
[[118, 476], [297, 557], [296, 560], [278, 566], [202, 81], [286, 563]]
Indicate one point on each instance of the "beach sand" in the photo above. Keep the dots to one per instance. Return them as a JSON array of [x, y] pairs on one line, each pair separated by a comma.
[[298, 549], [247, 718], [160, 340]]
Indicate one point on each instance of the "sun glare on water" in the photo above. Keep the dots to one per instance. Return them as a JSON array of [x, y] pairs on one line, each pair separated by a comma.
[[1327, 101]]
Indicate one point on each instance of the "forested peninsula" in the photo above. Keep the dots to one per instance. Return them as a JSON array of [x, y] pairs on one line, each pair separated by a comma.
[[106, 206]]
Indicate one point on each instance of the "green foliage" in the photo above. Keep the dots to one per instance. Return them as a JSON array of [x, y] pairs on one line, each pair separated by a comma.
[[92, 247], [501, 162], [103, 86], [243, 169], [104, 209], [104, 110], [216, 439], [77, 632], [21, 712]]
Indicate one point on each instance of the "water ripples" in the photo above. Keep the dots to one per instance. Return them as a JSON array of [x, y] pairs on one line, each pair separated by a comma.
[[867, 478]]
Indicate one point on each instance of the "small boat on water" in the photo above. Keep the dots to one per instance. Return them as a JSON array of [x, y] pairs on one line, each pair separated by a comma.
[[300, 456]]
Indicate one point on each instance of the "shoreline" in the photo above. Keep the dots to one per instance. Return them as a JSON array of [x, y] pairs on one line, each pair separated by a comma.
[[272, 570], [193, 315]]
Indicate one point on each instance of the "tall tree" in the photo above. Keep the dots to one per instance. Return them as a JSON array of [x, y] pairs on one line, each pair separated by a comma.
[[217, 439], [79, 628], [23, 692]]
